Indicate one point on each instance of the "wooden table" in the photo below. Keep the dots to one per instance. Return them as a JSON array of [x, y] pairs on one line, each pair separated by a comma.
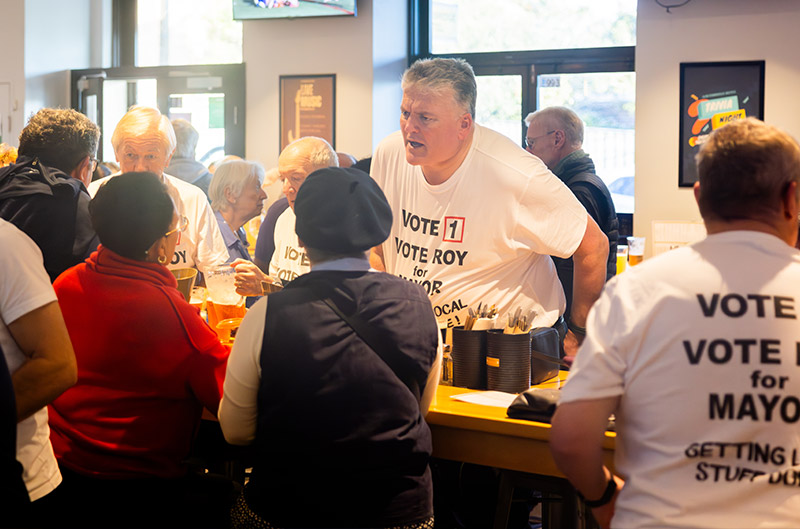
[[484, 435]]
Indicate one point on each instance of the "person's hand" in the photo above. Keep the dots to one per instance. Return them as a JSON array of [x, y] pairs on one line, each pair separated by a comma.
[[571, 345], [603, 515], [248, 278]]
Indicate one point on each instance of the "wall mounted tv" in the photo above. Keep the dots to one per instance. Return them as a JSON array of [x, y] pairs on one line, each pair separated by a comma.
[[254, 9]]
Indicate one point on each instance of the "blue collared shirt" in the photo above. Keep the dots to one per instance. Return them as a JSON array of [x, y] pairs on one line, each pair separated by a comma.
[[236, 242]]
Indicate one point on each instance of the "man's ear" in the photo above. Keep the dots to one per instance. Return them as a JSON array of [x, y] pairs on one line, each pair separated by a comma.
[[561, 138], [465, 126], [169, 158], [696, 189], [81, 171], [789, 201]]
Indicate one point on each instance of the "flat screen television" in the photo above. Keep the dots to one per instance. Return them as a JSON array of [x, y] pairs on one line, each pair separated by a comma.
[[255, 9]]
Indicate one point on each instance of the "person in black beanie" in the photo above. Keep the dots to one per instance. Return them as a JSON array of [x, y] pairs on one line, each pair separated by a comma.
[[331, 384]]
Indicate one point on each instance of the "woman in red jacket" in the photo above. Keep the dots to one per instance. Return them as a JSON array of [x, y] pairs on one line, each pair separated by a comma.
[[147, 366]]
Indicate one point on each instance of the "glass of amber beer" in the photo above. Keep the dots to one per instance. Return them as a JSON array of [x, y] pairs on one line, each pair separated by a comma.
[[635, 250], [223, 302]]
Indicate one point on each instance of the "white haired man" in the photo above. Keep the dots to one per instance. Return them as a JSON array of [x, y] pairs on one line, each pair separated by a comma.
[[145, 141]]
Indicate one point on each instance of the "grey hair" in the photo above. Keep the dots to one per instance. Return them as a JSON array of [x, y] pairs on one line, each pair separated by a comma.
[[186, 136], [437, 75], [233, 175], [559, 118]]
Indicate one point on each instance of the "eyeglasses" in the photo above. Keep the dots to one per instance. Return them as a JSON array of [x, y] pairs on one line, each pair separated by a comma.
[[94, 161], [180, 229], [530, 142]]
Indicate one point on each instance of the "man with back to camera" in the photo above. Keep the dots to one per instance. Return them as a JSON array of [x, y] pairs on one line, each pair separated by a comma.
[[299, 159], [555, 136], [144, 141], [477, 217], [695, 352], [183, 164], [37, 349], [44, 192]]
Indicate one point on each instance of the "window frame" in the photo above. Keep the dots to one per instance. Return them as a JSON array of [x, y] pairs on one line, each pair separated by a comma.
[[533, 62]]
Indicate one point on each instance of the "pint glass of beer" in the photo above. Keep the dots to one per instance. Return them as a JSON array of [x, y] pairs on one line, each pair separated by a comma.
[[622, 258], [223, 302], [635, 250]]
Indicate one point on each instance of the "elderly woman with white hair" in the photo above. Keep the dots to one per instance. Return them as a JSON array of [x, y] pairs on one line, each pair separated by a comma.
[[236, 197]]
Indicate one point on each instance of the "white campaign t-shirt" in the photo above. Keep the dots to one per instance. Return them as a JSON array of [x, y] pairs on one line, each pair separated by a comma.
[[25, 287], [289, 259], [202, 245], [701, 346], [486, 234]]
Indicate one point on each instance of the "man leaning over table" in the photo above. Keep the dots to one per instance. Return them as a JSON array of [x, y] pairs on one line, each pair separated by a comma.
[[695, 352], [475, 216], [144, 140]]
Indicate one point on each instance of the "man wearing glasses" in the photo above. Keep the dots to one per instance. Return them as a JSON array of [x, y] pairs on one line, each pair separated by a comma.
[[44, 192], [555, 136]]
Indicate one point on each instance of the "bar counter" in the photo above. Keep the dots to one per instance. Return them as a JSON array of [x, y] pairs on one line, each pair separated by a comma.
[[484, 435]]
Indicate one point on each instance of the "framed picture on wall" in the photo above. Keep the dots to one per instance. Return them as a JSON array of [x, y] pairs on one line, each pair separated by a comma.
[[308, 107], [713, 94]]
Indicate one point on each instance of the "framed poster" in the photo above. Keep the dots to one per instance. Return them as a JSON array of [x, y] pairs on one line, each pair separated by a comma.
[[713, 94], [308, 107]]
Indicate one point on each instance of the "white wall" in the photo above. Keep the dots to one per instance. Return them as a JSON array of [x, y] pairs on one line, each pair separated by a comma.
[[703, 30], [367, 64], [57, 38], [12, 75]]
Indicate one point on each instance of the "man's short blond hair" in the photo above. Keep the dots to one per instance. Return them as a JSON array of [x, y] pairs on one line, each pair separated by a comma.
[[744, 169], [144, 122]]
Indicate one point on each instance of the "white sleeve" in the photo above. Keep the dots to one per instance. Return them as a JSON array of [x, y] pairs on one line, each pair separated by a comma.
[[551, 219], [611, 338], [211, 249], [238, 409], [25, 286]]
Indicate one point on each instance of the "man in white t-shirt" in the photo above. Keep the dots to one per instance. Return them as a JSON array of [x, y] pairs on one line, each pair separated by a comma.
[[477, 217], [38, 351], [696, 353], [145, 141], [298, 160]]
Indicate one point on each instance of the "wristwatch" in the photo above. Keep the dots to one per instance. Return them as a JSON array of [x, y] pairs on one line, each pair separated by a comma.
[[611, 488]]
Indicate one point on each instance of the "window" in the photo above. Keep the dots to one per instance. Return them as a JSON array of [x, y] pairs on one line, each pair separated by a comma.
[[178, 32], [469, 26], [530, 54]]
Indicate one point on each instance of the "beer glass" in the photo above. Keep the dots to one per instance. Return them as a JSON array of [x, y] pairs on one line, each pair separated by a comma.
[[198, 297], [635, 250], [622, 258], [223, 302]]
